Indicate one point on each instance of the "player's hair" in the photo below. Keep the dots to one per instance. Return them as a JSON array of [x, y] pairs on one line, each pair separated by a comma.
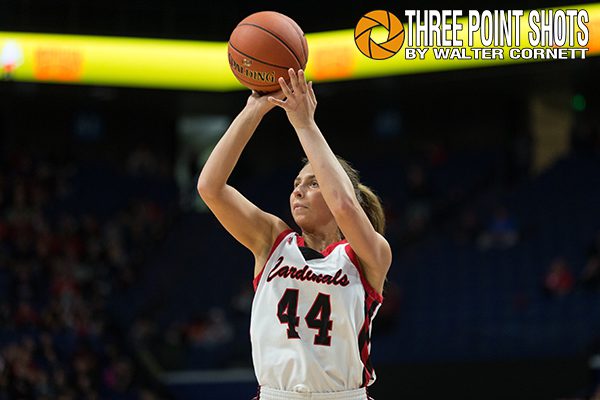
[[368, 200]]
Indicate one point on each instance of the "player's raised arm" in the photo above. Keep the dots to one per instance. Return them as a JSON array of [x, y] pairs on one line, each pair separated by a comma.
[[338, 191], [252, 227]]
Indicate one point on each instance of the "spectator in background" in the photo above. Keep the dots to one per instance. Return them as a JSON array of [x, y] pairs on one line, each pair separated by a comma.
[[585, 136], [387, 316], [219, 330], [468, 227], [241, 303], [142, 162], [170, 347], [590, 277], [593, 362], [420, 197], [437, 153], [559, 279], [502, 231]]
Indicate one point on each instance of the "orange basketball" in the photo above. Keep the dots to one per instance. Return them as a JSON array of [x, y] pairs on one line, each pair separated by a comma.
[[263, 46]]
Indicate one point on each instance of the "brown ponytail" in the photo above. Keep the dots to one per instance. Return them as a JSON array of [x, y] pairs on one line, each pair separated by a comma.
[[369, 201]]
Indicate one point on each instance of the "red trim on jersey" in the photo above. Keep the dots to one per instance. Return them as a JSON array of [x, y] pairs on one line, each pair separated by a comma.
[[371, 292], [364, 340], [332, 247], [278, 240]]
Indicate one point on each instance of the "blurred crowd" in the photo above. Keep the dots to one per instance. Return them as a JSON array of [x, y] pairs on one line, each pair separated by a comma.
[[61, 269], [58, 272], [561, 279]]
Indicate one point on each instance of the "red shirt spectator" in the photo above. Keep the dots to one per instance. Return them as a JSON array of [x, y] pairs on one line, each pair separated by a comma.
[[559, 280]]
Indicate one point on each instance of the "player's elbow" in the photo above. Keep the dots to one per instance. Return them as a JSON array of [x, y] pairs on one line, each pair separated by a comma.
[[206, 189], [345, 207]]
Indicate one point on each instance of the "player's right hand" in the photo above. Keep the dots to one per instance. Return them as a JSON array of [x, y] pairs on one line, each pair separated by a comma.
[[260, 103]]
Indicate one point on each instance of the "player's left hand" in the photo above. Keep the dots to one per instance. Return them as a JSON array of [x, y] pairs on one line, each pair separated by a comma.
[[300, 102]]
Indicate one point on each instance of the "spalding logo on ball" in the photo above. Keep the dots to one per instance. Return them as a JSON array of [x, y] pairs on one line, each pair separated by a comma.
[[262, 47]]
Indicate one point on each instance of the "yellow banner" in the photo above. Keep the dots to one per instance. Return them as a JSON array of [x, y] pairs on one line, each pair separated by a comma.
[[152, 63], [193, 65]]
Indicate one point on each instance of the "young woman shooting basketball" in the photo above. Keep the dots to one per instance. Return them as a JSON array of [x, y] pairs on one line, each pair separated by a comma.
[[318, 291]]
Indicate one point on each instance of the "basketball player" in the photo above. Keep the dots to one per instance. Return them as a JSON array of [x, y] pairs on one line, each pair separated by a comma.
[[317, 291]]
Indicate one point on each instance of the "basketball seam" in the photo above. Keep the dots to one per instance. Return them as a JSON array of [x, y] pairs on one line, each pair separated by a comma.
[[276, 37], [256, 59], [301, 35]]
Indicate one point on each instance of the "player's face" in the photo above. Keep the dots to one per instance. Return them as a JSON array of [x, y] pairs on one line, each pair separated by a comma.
[[306, 201]]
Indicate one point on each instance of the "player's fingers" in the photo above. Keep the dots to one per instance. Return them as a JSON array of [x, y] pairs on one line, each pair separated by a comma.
[[302, 81], [312, 92], [277, 102], [293, 79], [284, 87], [278, 94]]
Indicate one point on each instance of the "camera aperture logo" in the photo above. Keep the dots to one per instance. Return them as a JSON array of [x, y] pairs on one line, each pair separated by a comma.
[[363, 34], [548, 34]]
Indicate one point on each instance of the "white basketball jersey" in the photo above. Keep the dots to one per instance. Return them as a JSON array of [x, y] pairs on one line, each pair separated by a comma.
[[311, 320]]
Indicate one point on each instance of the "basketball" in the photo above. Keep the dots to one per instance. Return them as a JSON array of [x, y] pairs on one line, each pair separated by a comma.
[[262, 47]]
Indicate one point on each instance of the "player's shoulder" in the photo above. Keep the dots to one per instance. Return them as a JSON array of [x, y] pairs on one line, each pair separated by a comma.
[[280, 231]]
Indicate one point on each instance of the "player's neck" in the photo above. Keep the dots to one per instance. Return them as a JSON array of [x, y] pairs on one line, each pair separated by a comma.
[[320, 240]]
